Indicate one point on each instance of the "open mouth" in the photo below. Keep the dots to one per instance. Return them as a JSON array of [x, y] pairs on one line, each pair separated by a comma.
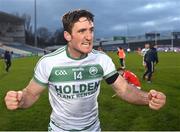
[[87, 44]]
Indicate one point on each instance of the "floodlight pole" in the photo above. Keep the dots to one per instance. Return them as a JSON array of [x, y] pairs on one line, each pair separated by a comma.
[[127, 35], [172, 40], [155, 38], [35, 25]]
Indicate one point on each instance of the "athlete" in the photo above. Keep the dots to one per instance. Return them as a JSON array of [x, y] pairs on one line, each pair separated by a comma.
[[144, 51], [72, 75], [121, 54]]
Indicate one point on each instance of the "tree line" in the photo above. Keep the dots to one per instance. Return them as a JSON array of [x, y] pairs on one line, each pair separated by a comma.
[[44, 36]]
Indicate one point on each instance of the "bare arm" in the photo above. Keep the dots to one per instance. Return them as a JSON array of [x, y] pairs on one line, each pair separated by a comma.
[[131, 94], [25, 98]]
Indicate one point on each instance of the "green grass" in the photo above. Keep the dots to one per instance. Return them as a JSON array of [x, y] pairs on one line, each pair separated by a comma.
[[114, 113]]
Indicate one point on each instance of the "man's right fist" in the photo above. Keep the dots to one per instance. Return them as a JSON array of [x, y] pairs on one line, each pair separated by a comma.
[[13, 99]]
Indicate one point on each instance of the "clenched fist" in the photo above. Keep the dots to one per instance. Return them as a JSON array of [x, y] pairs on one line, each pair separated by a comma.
[[157, 99], [13, 99]]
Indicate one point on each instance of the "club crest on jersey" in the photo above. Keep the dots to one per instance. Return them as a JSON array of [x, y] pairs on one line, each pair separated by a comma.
[[60, 72], [93, 70]]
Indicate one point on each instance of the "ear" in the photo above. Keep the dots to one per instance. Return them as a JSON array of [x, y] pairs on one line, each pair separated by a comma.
[[67, 36]]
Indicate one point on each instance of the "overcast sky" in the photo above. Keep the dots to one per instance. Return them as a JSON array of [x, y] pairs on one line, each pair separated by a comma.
[[112, 17]]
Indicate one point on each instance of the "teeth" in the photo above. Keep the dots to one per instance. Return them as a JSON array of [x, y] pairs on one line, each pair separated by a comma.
[[86, 43]]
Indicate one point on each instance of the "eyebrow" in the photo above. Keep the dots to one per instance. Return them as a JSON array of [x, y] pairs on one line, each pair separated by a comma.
[[83, 29]]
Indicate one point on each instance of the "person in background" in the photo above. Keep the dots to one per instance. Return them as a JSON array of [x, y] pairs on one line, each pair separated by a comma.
[[130, 77], [150, 58], [144, 51], [73, 75], [45, 52], [121, 54], [7, 60]]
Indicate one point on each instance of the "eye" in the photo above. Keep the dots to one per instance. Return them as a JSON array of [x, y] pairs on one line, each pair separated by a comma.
[[82, 30]]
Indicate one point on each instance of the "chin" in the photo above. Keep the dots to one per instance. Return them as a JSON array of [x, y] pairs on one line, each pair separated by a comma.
[[87, 50]]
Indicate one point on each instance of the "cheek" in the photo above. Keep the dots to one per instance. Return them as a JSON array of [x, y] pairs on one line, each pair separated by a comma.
[[77, 39]]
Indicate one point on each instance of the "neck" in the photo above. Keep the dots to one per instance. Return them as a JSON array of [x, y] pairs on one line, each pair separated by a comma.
[[75, 54]]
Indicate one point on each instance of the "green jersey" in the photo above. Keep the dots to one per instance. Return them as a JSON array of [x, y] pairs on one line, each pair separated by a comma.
[[74, 85]]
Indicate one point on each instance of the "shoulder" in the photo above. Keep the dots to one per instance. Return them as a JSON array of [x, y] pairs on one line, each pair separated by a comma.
[[54, 54], [100, 57], [52, 57], [98, 53]]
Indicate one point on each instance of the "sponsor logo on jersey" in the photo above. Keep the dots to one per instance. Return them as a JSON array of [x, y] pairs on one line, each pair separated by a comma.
[[76, 91]]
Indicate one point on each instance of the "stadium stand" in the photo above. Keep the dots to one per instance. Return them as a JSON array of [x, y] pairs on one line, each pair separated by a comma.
[[136, 42], [21, 50], [16, 52], [12, 37], [11, 28], [27, 48]]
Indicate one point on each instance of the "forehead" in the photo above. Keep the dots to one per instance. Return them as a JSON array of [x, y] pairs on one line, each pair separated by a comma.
[[83, 21]]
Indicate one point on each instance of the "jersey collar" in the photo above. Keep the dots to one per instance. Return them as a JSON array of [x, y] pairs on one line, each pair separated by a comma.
[[80, 58]]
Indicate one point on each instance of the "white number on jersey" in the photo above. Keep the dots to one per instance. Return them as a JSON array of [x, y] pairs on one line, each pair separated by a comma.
[[77, 75]]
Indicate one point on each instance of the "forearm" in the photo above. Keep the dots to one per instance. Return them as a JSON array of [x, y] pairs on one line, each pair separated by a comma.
[[28, 99], [130, 93], [134, 95]]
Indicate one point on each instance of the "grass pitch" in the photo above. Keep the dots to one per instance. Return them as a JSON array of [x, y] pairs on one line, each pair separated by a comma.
[[114, 113]]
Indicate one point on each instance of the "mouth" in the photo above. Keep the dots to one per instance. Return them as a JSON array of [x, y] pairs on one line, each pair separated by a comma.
[[86, 44]]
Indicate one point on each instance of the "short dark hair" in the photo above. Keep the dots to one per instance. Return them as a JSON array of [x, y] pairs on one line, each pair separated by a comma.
[[72, 17]]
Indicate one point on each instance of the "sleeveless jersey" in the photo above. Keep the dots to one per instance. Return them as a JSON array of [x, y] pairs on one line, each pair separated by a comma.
[[74, 85]]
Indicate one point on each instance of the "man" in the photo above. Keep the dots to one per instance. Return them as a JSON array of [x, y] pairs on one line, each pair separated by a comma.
[[144, 51], [121, 55], [7, 59], [150, 59], [130, 77], [73, 74]]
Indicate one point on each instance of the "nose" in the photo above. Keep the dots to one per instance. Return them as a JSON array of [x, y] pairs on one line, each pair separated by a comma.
[[89, 35]]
